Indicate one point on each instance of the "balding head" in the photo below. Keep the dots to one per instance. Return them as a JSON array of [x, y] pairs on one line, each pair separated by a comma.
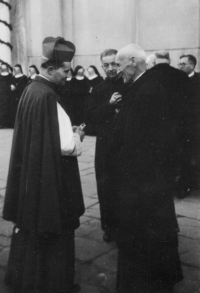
[[162, 56], [131, 60], [150, 61]]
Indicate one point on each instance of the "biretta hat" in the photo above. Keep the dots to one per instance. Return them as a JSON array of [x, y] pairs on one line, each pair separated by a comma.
[[57, 49]]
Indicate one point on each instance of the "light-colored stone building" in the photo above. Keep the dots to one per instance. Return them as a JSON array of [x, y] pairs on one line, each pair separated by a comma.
[[95, 25]]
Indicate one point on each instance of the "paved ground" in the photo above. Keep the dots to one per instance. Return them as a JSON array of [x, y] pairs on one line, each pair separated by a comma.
[[95, 260]]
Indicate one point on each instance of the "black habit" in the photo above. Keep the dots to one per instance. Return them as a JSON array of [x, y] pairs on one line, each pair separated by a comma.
[[91, 128], [78, 100], [5, 100], [20, 84], [102, 114], [144, 145], [66, 98], [43, 196]]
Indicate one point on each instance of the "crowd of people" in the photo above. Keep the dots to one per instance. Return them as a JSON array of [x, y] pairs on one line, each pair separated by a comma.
[[75, 94], [145, 114], [12, 85]]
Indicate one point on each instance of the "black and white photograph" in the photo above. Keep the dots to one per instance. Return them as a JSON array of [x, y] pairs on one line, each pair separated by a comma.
[[100, 146]]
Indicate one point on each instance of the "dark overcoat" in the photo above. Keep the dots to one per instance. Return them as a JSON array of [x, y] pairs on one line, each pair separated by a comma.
[[144, 145], [181, 93], [43, 189]]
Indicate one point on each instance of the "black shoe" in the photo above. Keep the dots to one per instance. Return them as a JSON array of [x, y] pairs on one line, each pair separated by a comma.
[[108, 237]]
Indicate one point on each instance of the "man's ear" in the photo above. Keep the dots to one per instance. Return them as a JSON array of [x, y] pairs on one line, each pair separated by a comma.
[[50, 70], [134, 61]]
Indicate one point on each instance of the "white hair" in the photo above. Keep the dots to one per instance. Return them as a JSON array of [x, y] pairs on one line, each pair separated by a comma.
[[132, 50]]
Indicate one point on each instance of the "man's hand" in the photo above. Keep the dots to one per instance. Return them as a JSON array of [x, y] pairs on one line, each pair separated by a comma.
[[80, 132], [74, 128], [13, 88], [116, 98]]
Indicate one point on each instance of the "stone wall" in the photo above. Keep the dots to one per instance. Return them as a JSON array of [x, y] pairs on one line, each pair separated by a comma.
[[95, 25]]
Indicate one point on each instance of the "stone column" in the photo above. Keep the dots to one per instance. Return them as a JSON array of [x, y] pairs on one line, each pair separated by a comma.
[[19, 33], [5, 49]]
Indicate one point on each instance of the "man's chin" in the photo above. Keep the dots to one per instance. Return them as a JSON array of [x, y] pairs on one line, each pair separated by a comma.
[[112, 76]]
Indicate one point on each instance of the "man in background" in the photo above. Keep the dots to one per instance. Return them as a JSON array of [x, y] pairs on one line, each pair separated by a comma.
[[43, 196], [104, 105], [187, 64], [150, 61], [180, 99]]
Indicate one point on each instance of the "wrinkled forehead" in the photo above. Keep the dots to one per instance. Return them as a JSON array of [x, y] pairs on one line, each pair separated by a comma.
[[108, 59], [122, 58]]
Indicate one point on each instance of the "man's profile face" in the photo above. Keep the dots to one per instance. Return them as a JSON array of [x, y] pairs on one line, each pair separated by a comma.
[[109, 66], [59, 75], [186, 66], [125, 65]]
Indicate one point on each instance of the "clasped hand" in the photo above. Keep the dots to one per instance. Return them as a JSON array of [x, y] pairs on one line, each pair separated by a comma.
[[116, 98], [77, 129]]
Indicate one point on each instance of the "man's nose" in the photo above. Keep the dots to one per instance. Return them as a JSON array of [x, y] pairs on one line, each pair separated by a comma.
[[110, 67]]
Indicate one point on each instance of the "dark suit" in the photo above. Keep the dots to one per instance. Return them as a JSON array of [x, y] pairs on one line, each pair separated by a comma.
[[145, 144], [195, 81]]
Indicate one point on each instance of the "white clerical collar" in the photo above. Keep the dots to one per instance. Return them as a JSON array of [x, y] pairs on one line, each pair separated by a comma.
[[18, 75], [191, 74], [79, 77], [139, 76], [4, 73], [44, 77], [92, 76], [69, 78], [33, 76]]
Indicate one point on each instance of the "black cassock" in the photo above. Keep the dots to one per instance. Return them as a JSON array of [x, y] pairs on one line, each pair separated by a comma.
[[79, 94], [67, 98], [102, 114], [5, 100], [91, 128], [20, 84], [43, 197], [142, 150]]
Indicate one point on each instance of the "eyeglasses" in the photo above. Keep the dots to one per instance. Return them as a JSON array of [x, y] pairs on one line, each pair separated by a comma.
[[106, 65], [182, 64]]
